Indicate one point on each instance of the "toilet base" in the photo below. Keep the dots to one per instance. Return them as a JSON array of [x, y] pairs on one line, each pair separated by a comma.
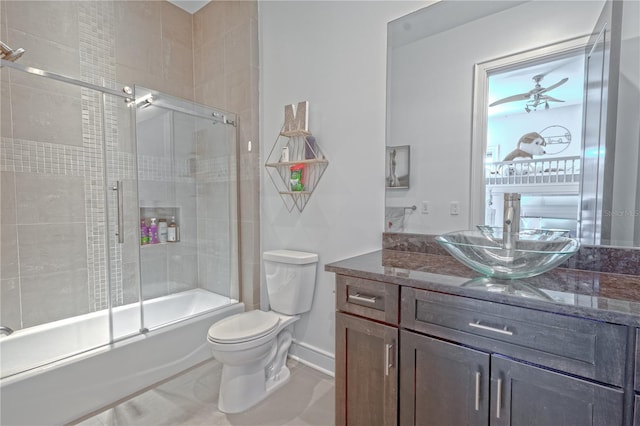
[[238, 393], [281, 379], [243, 386]]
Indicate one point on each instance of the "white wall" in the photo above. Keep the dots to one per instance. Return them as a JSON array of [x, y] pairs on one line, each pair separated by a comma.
[[332, 54]]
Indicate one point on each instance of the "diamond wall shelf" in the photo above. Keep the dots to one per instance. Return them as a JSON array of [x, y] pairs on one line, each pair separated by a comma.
[[296, 149]]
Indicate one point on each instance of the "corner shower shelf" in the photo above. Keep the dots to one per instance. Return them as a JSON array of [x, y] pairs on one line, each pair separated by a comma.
[[303, 152]]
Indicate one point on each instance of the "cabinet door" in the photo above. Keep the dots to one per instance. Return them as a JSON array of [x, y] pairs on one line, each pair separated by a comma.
[[525, 395], [442, 383], [366, 372]]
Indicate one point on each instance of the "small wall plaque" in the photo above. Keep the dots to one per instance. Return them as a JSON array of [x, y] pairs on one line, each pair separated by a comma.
[[397, 167]]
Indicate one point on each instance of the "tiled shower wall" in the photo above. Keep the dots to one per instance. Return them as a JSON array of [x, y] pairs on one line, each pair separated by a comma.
[[53, 255], [226, 70], [188, 164]]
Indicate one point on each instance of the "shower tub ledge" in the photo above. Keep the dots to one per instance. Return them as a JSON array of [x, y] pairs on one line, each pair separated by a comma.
[[68, 389]]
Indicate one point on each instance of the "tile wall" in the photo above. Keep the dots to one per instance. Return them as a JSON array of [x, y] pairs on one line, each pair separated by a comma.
[[187, 168], [225, 47]]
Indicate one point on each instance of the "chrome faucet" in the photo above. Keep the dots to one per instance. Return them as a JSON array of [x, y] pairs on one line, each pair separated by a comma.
[[5, 330], [511, 225]]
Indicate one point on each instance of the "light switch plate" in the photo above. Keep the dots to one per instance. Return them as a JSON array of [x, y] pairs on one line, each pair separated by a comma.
[[454, 208]]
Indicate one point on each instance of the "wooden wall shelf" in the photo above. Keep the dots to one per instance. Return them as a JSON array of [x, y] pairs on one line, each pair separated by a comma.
[[302, 149]]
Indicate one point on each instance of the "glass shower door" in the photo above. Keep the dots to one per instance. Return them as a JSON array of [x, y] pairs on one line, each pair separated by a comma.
[[187, 177], [58, 138], [121, 181]]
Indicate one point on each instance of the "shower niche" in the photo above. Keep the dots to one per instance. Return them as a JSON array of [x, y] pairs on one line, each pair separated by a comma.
[[169, 215]]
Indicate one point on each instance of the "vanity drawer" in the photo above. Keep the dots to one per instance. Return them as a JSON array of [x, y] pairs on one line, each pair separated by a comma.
[[366, 298], [579, 346]]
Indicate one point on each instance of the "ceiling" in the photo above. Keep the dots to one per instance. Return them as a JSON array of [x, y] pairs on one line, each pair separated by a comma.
[[191, 6]]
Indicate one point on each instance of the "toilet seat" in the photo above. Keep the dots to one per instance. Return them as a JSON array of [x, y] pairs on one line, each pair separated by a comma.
[[243, 327]]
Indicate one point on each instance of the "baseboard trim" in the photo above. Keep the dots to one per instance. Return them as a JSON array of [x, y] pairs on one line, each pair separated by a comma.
[[313, 357]]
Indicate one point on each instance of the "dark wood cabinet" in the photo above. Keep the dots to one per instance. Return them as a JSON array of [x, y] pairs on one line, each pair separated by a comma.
[[369, 299], [410, 356], [442, 383], [591, 349], [523, 394], [366, 383], [512, 353]]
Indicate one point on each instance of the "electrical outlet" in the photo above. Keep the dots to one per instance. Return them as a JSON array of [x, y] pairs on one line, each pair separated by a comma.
[[424, 208], [454, 208]]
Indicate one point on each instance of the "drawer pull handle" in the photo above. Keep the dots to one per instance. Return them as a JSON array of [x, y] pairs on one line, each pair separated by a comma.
[[360, 298], [487, 328], [499, 399], [478, 391], [388, 358]]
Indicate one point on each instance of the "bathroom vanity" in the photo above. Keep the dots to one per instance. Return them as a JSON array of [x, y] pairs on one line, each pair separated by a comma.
[[422, 340]]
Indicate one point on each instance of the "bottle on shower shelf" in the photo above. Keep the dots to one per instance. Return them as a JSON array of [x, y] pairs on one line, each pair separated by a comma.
[[162, 231], [173, 232], [153, 231], [144, 232]]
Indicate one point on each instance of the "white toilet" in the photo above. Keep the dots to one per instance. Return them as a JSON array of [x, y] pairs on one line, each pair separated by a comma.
[[253, 346]]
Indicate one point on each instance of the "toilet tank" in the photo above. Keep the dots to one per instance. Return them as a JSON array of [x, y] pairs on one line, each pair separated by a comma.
[[291, 280]]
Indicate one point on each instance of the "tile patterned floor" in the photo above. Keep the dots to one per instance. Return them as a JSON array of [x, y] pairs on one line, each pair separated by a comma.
[[191, 399]]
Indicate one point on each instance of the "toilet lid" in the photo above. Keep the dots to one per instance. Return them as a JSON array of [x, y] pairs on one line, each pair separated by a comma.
[[242, 327]]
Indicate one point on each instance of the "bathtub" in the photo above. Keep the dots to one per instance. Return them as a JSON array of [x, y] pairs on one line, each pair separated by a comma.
[[64, 390]]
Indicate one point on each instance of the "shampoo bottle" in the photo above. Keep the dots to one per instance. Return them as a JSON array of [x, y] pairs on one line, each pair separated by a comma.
[[172, 231], [153, 231], [162, 231], [144, 232]]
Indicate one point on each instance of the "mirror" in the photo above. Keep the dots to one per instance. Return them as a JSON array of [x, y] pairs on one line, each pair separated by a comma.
[[528, 115], [432, 54]]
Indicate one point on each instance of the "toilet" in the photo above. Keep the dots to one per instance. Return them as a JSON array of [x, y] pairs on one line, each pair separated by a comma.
[[252, 346]]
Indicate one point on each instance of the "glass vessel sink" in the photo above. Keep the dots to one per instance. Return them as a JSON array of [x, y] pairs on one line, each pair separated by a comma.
[[534, 251]]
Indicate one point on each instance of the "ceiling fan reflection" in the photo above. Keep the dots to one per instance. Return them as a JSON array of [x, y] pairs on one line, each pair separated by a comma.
[[534, 97]]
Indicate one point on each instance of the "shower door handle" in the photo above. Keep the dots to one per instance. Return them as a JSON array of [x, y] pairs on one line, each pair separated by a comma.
[[120, 207]]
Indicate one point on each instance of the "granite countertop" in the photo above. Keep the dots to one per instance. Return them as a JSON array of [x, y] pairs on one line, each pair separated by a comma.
[[600, 296]]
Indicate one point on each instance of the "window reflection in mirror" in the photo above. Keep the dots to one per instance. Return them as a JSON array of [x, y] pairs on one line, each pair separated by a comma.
[[533, 141]]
